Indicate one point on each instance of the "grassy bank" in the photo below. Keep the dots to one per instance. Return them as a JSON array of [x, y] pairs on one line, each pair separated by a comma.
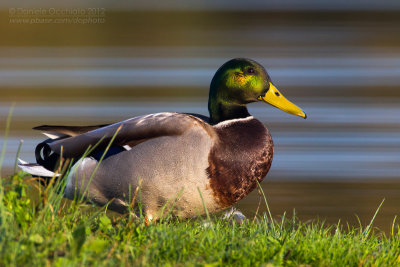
[[43, 229]]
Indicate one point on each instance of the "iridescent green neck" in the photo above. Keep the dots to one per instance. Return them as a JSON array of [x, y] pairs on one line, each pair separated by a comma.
[[222, 108]]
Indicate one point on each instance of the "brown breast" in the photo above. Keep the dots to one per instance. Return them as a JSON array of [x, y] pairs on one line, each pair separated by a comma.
[[243, 154]]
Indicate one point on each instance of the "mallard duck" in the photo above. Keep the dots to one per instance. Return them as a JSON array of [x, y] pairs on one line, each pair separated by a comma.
[[189, 160]]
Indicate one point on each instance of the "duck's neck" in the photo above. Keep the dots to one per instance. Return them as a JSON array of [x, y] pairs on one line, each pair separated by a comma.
[[221, 104], [220, 111]]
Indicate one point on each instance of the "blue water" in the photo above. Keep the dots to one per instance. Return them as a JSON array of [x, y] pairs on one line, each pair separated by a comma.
[[348, 68], [340, 140], [346, 136]]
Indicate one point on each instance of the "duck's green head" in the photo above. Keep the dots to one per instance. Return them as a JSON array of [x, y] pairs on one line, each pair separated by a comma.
[[241, 81]]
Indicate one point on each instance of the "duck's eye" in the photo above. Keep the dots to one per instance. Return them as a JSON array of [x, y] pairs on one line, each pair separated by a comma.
[[250, 70]]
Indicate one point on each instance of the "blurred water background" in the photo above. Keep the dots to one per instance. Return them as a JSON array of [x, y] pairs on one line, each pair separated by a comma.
[[101, 62]]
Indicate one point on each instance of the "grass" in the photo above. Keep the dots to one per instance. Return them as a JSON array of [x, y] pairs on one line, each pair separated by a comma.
[[38, 227]]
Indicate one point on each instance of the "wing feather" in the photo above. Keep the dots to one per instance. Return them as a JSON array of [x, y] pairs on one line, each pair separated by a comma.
[[64, 131], [133, 131]]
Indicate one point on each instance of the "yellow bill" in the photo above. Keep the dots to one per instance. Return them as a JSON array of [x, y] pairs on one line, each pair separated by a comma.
[[276, 99]]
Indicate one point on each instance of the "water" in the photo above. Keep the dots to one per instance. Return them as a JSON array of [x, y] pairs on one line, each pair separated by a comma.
[[342, 68], [191, 72], [332, 143]]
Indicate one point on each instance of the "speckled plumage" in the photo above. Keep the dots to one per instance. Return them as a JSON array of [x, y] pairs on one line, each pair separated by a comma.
[[243, 154]]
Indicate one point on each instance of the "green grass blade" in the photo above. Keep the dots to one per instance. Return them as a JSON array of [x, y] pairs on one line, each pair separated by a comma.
[[204, 205], [6, 132], [266, 204], [368, 229], [17, 156]]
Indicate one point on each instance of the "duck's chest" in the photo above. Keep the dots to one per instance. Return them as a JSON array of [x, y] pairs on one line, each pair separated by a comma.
[[242, 156]]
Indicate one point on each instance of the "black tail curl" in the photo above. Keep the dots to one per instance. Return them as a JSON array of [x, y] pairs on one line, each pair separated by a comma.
[[50, 160], [46, 157]]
